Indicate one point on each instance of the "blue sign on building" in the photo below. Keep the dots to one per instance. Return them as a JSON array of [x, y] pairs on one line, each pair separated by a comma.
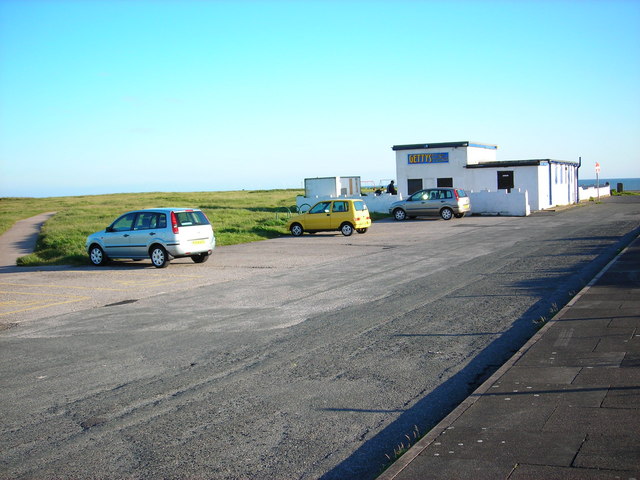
[[418, 158]]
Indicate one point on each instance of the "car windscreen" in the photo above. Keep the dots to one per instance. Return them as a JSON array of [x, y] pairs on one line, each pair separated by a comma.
[[190, 218], [421, 195], [124, 223], [461, 193], [322, 207], [359, 206]]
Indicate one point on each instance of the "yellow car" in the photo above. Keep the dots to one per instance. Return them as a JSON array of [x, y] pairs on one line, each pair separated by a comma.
[[344, 215]]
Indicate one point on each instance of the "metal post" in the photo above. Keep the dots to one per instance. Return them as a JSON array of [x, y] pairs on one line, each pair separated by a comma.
[[598, 179], [578, 180]]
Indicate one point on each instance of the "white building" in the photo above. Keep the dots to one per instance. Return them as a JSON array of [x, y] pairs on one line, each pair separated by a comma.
[[540, 183], [331, 186]]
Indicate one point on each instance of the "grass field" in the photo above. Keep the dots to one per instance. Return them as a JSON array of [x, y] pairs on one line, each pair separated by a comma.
[[237, 217]]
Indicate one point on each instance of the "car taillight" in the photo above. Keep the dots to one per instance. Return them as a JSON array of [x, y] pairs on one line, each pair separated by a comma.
[[174, 223], [456, 194]]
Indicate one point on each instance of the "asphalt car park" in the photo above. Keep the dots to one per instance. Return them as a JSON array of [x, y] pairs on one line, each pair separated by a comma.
[[307, 357], [30, 293], [33, 293]]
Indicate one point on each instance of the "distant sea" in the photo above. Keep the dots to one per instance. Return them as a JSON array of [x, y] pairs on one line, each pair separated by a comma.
[[629, 184]]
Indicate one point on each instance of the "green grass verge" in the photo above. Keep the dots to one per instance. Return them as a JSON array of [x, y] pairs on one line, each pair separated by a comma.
[[615, 193], [237, 217]]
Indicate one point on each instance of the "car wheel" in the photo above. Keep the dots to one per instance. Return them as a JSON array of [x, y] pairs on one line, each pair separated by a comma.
[[361, 230], [159, 256], [97, 256], [446, 213], [399, 214], [346, 229], [296, 230], [458, 215], [200, 258]]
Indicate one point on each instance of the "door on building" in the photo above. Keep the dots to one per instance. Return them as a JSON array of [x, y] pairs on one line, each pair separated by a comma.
[[505, 180], [445, 182], [413, 185]]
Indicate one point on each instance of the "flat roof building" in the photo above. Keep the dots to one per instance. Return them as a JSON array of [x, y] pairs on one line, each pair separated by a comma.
[[474, 166]]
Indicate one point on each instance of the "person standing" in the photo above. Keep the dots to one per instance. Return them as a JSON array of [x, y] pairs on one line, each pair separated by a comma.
[[391, 188]]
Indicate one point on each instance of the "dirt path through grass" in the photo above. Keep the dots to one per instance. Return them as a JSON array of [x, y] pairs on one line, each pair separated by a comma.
[[21, 239]]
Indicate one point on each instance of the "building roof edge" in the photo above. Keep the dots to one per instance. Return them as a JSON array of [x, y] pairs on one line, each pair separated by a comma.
[[467, 143], [521, 163]]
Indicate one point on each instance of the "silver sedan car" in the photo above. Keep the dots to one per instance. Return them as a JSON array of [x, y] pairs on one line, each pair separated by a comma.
[[445, 202], [158, 234]]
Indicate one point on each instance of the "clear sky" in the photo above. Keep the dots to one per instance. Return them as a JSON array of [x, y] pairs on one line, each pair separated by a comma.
[[131, 96]]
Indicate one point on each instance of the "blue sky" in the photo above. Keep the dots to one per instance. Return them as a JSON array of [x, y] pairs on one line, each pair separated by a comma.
[[131, 96]]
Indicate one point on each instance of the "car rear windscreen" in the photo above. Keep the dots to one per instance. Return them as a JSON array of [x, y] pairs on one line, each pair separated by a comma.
[[188, 219]]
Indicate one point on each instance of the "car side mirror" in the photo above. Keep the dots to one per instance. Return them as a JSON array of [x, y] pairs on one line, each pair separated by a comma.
[[109, 229]]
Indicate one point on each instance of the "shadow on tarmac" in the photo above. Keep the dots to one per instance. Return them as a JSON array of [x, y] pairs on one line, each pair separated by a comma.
[[431, 409]]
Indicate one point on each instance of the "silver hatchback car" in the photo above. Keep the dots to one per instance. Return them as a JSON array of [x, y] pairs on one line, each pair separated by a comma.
[[446, 202], [158, 233]]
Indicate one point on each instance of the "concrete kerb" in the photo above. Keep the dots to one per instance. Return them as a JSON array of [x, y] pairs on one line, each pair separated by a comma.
[[401, 463]]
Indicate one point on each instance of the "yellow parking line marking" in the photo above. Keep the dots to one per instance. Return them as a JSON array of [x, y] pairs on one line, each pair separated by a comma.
[[149, 283], [127, 283], [72, 299], [130, 273], [124, 283], [62, 286]]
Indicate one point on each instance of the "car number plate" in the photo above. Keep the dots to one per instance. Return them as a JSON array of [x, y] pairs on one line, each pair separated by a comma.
[[197, 242]]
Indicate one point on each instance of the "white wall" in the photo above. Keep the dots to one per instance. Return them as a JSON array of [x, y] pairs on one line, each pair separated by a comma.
[[459, 158], [478, 179], [484, 202], [592, 192], [500, 202], [430, 172], [477, 155], [332, 186], [349, 185], [375, 203], [543, 200], [526, 179], [321, 186], [559, 184], [381, 203]]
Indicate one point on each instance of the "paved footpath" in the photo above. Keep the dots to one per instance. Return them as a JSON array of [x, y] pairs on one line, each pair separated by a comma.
[[566, 406], [21, 239]]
